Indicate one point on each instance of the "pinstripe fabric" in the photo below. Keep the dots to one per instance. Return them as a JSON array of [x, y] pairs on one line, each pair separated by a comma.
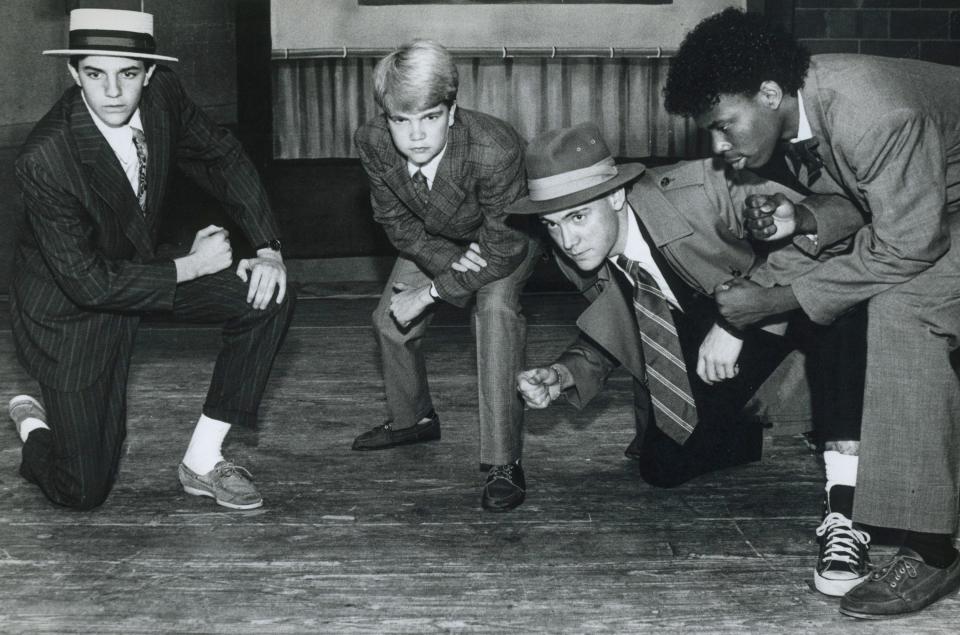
[[71, 466], [481, 173], [85, 267], [85, 261]]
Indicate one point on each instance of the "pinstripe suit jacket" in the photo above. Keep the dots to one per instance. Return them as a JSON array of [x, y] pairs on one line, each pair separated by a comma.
[[481, 173], [85, 264]]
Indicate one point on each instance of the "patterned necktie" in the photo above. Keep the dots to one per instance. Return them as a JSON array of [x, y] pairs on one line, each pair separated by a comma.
[[420, 185], [140, 143], [669, 385], [805, 153]]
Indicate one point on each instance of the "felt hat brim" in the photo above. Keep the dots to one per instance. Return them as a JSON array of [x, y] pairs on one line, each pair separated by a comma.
[[626, 172]]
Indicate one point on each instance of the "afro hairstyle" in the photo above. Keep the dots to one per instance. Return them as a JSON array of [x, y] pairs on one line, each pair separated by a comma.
[[732, 53]]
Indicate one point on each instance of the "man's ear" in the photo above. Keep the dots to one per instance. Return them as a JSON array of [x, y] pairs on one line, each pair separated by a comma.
[[149, 74], [617, 198], [770, 94], [74, 73]]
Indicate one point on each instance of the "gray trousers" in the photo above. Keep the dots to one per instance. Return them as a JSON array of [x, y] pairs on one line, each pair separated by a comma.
[[910, 446], [500, 331]]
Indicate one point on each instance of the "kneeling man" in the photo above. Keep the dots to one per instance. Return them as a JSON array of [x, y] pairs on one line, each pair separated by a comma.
[[93, 174], [648, 262]]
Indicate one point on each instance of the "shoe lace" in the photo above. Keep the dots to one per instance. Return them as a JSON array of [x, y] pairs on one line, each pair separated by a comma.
[[899, 568], [843, 543], [227, 469], [502, 471]]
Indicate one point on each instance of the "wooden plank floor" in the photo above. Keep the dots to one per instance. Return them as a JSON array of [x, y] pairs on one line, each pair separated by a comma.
[[396, 541]]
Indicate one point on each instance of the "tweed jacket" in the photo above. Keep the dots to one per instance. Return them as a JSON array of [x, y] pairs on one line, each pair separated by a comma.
[[693, 214], [889, 136], [85, 263], [481, 172]]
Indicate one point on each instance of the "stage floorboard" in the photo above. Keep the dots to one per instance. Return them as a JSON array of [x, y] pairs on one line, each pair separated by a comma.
[[396, 541]]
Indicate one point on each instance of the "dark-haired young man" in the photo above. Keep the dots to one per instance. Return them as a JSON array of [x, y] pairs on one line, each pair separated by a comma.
[[94, 174], [886, 134]]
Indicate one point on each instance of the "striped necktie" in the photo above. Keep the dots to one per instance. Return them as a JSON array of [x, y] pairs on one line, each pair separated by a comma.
[[673, 403], [140, 143]]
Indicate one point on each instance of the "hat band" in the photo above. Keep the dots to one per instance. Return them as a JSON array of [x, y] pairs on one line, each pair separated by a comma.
[[122, 41], [551, 187]]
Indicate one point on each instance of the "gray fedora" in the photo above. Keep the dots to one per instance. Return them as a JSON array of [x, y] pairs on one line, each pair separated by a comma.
[[570, 166]]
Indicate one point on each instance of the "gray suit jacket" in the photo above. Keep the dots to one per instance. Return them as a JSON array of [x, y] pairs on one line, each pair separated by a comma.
[[889, 132]]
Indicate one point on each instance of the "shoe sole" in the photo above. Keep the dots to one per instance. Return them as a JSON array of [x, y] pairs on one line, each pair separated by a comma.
[[202, 492], [836, 588], [505, 506], [19, 400], [372, 448], [887, 616]]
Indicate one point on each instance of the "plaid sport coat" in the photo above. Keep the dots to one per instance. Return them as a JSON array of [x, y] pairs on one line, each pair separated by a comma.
[[480, 174], [84, 264]]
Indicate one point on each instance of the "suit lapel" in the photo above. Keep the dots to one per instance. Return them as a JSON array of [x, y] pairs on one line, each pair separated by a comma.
[[156, 123], [398, 179], [611, 323], [609, 320], [107, 178], [446, 193]]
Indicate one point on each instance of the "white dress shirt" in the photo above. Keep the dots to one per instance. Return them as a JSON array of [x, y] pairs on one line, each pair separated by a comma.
[[429, 168], [121, 142], [638, 250]]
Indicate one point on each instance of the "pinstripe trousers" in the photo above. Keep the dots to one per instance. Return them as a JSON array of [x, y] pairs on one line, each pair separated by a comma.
[[75, 462]]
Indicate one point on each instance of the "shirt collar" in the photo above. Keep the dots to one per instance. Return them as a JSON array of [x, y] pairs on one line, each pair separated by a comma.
[[429, 169], [636, 248], [803, 128], [120, 139]]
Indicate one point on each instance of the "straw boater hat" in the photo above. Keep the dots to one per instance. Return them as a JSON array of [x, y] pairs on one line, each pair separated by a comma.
[[113, 33], [568, 167]]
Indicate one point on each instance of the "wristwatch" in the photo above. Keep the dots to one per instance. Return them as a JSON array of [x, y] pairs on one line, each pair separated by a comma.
[[273, 243]]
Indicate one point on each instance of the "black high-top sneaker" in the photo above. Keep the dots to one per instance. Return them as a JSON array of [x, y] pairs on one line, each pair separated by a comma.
[[844, 558]]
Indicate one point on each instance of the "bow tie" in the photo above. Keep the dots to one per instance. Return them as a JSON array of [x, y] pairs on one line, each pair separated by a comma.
[[805, 153]]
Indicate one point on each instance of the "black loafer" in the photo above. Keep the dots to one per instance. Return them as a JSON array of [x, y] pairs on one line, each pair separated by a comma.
[[903, 585], [385, 436], [505, 488]]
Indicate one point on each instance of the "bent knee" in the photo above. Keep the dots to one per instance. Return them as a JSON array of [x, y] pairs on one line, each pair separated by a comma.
[[89, 494]]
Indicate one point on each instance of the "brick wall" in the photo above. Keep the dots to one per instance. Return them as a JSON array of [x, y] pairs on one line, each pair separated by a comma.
[[922, 29]]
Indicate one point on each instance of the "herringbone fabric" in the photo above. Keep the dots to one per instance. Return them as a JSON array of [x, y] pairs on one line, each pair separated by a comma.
[[480, 174], [669, 385], [140, 143]]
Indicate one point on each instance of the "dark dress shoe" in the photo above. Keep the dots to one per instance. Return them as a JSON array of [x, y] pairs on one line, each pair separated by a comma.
[[903, 585], [385, 436], [505, 488]]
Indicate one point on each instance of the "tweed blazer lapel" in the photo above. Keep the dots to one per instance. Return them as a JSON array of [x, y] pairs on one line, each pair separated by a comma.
[[107, 178], [398, 179], [446, 194]]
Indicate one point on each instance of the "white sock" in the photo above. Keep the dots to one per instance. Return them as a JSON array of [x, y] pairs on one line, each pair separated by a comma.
[[841, 468], [30, 424], [203, 453]]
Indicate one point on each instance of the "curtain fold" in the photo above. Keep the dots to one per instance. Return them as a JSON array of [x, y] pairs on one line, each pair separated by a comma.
[[318, 103]]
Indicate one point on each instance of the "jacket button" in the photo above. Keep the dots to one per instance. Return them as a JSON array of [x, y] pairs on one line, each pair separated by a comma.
[[665, 181]]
